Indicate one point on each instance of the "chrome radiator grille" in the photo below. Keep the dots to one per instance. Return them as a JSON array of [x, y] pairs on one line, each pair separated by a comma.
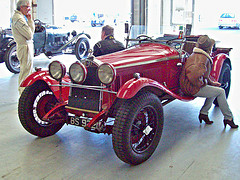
[[86, 99]]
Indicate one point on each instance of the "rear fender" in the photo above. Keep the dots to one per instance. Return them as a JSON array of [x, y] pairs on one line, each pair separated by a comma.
[[88, 36], [218, 61], [133, 86], [44, 76]]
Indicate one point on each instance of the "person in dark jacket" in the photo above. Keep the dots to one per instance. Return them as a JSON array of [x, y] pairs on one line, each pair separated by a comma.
[[195, 81], [108, 44]]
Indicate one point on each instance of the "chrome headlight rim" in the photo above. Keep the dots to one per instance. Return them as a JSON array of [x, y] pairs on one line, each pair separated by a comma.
[[83, 72], [106, 73], [57, 70]]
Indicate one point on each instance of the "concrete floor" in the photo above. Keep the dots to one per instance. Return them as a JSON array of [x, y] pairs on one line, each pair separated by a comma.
[[187, 151]]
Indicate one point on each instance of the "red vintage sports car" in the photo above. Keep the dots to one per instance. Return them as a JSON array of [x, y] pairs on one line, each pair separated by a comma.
[[122, 93]]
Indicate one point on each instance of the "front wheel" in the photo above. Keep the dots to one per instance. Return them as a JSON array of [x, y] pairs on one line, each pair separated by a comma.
[[138, 128], [81, 48], [35, 101], [11, 60], [225, 80]]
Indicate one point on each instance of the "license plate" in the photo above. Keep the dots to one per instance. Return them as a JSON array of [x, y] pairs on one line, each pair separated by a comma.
[[80, 121]]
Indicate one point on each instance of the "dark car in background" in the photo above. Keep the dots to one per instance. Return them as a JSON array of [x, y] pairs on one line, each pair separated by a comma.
[[50, 40]]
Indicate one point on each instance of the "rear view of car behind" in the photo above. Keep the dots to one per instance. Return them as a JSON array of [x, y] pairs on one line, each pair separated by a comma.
[[228, 20]]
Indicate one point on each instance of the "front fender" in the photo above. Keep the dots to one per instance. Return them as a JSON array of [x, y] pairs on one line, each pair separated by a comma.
[[218, 61], [133, 86], [44, 76], [7, 42]]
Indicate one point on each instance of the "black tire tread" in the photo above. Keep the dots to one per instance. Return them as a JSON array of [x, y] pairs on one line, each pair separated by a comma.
[[224, 66], [25, 114], [6, 60], [120, 128], [77, 45]]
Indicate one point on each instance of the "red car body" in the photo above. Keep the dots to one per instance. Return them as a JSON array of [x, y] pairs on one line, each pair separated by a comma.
[[153, 63], [146, 68]]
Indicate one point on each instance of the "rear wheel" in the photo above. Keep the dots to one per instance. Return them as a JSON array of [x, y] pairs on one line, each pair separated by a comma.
[[138, 128], [225, 80], [11, 60], [81, 48], [35, 101]]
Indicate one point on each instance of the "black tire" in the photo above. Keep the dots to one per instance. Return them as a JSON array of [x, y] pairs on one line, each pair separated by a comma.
[[81, 48], [225, 80], [35, 101], [138, 128], [11, 60]]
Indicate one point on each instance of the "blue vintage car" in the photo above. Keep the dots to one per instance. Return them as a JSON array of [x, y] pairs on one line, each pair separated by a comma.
[[50, 40]]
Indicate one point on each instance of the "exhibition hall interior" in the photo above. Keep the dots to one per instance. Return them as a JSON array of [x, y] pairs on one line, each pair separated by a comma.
[[122, 114]]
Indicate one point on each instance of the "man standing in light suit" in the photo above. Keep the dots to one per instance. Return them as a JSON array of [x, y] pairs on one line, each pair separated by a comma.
[[23, 30]]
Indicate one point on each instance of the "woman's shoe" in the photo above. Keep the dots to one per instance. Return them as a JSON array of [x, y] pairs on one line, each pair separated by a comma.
[[203, 117], [230, 123]]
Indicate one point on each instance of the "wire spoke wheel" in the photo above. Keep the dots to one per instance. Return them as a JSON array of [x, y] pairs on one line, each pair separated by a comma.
[[36, 100], [138, 128], [81, 48], [43, 103], [143, 129], [11, 60]]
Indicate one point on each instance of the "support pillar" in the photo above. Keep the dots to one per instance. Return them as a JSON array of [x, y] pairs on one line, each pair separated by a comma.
[[139, 17]]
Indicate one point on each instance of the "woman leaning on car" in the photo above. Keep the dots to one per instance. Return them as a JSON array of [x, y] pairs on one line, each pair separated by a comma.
[[195, 81]]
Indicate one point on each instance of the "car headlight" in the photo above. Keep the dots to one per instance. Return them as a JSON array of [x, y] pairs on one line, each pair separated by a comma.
[[57, 70], [106, 73], [77, 72]]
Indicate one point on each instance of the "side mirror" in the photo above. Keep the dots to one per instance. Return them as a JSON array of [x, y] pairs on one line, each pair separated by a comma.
[[126, 28]]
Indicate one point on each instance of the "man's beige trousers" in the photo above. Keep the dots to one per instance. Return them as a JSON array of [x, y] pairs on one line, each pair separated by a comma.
[[25, 56]]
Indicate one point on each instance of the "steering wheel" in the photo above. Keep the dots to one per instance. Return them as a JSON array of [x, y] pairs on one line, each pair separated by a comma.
[[144, 37], [38, 25], [170, 41], [174, 43]]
